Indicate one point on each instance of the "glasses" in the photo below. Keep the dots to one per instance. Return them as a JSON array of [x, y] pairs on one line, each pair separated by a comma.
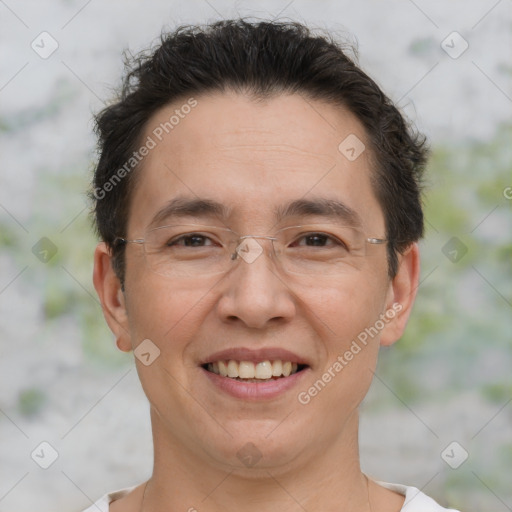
[[193, 250]]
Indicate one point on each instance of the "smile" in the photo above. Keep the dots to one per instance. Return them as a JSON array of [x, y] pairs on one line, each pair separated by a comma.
[[248, 371], [255, 374], [255, 381]]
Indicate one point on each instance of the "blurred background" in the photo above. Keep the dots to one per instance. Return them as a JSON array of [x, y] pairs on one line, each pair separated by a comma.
[[439, 414]]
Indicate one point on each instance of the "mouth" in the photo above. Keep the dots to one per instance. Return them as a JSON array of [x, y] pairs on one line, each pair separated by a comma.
[[254, 372]]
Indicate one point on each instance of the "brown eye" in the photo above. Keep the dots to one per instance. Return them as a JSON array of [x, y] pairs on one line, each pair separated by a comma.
[[190, 240], [320, 240], [316, 239]]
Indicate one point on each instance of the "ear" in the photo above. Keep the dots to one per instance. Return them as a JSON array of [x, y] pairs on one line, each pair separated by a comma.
[[108, 288], [401, 295]]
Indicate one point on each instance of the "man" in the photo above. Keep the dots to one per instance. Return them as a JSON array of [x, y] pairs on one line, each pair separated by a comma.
[[258, 201]]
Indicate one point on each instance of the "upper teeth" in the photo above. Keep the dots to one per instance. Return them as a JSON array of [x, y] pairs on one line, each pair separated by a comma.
[[249, 370]]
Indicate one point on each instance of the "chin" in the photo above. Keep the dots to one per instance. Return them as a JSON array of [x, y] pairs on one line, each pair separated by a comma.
[[252, 452]]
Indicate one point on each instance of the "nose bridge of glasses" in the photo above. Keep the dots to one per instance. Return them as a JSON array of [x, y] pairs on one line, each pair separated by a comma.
[[249, 249], [265, 237]]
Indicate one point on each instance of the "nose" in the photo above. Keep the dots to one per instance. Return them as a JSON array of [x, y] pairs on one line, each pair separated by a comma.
[[255, 293]]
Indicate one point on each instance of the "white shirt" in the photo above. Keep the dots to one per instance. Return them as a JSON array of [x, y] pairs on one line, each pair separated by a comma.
[[415, 500]]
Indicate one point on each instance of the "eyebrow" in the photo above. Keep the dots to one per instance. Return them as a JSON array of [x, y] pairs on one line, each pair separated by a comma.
[[321, 207], [181, 207]]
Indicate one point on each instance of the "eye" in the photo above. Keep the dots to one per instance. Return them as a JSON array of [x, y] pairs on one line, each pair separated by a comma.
[[316, 239], [319, 240], [190, 240]]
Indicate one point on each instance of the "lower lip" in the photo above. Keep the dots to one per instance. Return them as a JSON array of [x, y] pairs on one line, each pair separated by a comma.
[[255, 390]]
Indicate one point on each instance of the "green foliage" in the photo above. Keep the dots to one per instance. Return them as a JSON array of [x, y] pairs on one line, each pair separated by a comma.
[[31, 401], [7, 236], [462, 308], [497, 392]]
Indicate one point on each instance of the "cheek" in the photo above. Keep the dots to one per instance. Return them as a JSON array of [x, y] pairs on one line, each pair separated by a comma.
[[356, 313], [162, 311], [170, 317], [347, 319], [349, 307]]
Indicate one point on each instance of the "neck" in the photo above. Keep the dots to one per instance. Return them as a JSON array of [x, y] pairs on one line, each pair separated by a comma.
[[327, 479]]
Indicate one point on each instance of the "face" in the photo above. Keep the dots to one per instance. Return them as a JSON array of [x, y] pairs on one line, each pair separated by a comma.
[[254, 158]]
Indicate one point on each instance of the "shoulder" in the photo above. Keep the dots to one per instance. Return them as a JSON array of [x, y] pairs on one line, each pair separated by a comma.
[[102, 505], [415, 500]]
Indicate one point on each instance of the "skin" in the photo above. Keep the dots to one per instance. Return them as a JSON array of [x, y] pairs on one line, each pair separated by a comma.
[[252, 156]]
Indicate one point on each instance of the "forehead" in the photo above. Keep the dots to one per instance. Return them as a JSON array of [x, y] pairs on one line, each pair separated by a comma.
[[253, 156]]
